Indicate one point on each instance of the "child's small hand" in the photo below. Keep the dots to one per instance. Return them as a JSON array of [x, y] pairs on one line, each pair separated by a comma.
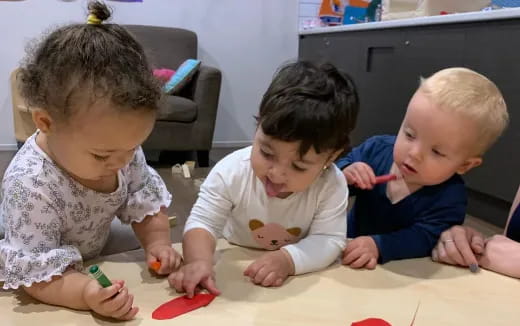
[[113, 301], [360, 174], [272, 269], [169, 258], [194, 274], [361, 252]]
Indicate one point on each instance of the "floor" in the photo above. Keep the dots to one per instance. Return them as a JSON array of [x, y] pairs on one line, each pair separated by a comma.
[[185, 191]]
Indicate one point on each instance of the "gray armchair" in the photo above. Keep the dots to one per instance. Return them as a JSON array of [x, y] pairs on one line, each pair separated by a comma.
[[185, 122]]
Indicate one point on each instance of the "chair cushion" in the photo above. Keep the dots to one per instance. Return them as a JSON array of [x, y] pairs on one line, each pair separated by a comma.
[[176, 108], [182, 76]]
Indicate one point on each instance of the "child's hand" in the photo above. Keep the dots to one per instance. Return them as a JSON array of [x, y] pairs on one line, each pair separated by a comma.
[[113, 301], [272, 269], [501, 255], [169, 258], [192, 275], [360, 174], [361, 252]]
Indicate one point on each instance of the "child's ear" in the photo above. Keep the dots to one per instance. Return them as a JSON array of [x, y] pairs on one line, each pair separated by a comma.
[[469, 164], [42, 120]]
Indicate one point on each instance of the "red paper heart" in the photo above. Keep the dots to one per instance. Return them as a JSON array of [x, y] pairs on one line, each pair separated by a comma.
[[371, 322], [181, 305]]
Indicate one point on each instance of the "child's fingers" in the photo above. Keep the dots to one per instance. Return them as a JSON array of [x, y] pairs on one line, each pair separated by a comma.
[[209, 284], [123, 310], [175, 280], [360, 181], [372, 263], [261, 275], [252, 269], [117, 302], [352, 256], [351, 179], [368, 173], [177, 262], [269, 279], [109, 292], [130, 314], [360, 262], [190, 284], [278, 282]]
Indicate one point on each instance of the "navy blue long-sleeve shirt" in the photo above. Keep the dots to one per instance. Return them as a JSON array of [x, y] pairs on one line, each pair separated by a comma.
[[411, 227], [513, 229]]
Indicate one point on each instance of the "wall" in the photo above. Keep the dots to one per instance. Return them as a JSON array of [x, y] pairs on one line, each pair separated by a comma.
[[308, 10], [247, 40]]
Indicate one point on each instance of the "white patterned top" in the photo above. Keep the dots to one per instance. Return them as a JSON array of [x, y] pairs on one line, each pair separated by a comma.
[[52, 222]]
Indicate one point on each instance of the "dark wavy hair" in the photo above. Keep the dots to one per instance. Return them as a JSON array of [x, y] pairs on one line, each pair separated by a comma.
[[315, 105], [77, 65]]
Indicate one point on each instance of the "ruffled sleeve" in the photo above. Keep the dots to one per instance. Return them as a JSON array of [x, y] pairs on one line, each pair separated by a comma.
[[31, 251], [147, 193]]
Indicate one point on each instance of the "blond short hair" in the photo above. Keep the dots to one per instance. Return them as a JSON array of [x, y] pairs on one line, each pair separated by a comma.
[[470, 94]]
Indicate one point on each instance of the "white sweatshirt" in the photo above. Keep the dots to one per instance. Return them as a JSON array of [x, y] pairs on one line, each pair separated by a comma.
[[310, 225]]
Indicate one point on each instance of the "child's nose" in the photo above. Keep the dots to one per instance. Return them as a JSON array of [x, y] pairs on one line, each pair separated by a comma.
[[277, 172], [119, 162], [415, 153]]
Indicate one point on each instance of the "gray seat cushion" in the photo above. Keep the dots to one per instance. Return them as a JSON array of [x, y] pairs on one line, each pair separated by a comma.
[[176, 108]]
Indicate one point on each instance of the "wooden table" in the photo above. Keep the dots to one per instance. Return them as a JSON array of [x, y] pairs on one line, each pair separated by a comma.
[[336, 296]]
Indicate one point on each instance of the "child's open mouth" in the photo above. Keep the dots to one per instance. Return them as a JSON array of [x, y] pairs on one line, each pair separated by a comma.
[[272, 189], [409, 169]]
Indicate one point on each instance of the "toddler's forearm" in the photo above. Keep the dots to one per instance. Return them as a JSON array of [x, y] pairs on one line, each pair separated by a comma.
[[65, 290], [198, 244]]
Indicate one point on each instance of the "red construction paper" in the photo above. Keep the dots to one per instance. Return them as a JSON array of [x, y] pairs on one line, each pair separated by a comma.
[[181, 305], [371, 322]]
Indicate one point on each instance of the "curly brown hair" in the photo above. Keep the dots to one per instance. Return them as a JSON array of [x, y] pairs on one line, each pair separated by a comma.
[[78, 65], [314, 105]]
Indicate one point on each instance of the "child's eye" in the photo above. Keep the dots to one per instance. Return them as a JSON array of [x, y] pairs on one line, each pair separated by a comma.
[[299, 169], [436, 152], [100, 158], [265, 154], [408, 135]]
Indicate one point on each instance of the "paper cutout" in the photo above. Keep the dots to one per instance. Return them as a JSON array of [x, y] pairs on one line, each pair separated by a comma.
[[371, 322], [181, 305]]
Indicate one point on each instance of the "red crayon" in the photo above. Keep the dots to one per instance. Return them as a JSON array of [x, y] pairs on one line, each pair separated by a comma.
[[385, 178]]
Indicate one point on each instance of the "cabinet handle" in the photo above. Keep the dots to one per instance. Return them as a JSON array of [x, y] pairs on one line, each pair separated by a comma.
[[372, 51], [407, 42]]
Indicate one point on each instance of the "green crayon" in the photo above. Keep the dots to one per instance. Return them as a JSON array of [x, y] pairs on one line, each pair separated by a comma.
[[98, 275]]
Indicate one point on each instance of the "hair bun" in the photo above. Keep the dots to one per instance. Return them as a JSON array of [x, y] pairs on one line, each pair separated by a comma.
[[99, 9]]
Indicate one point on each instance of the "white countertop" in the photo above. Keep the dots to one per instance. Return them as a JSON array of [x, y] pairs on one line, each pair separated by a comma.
[[419, 21]]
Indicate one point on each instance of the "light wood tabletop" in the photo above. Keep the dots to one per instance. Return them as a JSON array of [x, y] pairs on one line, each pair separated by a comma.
[[446, 295]]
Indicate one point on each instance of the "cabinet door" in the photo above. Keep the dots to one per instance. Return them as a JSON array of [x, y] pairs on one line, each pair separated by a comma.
[[493, 50], [340, 49], [378, 84], [427, 50]]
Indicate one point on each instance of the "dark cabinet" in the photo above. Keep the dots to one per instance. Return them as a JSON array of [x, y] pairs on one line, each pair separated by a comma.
[[387, 65]]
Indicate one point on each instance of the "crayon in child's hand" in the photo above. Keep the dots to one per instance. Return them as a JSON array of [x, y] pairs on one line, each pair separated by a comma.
[[385, 178], [99, 276], [473, 268], [155, 265]]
